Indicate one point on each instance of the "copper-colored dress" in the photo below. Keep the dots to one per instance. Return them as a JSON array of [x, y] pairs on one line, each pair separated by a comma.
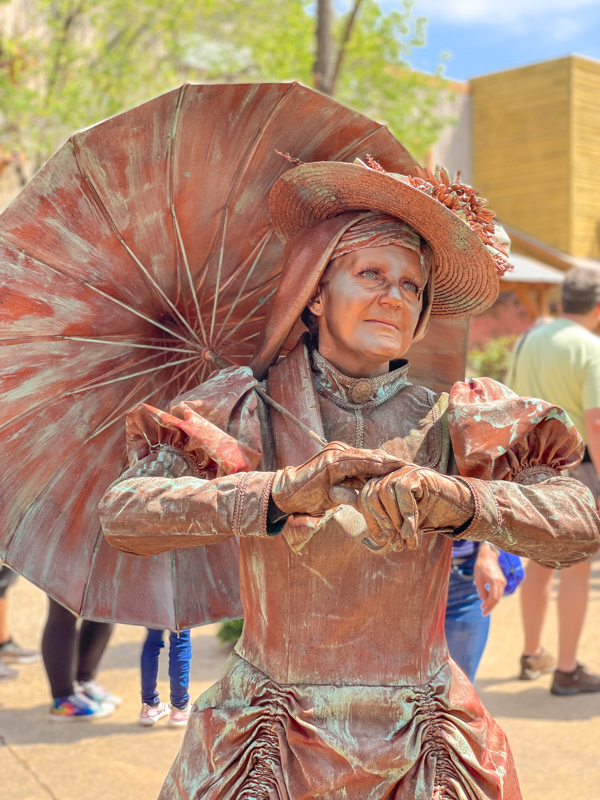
[[341, 685]]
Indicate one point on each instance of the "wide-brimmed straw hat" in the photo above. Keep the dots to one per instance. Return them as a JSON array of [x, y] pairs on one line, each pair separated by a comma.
[[470, 251]]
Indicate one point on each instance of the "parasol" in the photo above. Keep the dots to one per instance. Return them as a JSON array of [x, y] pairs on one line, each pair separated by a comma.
[[139, 256]]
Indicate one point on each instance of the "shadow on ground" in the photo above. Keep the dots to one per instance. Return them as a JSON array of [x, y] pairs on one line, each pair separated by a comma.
[[507, 697], [32, 726]]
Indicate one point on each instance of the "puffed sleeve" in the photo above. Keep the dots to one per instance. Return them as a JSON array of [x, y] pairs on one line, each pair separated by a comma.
[[190, 482], [513, 453]]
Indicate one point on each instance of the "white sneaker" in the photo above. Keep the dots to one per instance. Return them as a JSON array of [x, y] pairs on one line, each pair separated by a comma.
[[150, 715], [98, 693], [179, 716]]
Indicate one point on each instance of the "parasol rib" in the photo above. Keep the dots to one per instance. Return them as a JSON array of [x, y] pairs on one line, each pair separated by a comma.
[[96, 195], [244, 284], [131, 375], [142, 400], [188, 272], [217, 284], [65, 274], [244, 163], [174, 213], [56, 397], [261, 302], [126, 344]]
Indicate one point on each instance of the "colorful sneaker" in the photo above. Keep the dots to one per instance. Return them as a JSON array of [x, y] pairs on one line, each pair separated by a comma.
[[98, 693], [533, 666], [10, 652], [179, 716], [7, 673], [577, 682], [78, 707], [150, 715]]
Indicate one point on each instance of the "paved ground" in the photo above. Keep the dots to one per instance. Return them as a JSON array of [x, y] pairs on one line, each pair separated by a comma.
[[556, 741]]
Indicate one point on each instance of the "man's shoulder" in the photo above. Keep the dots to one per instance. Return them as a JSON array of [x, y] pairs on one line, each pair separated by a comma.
[[565, 334]]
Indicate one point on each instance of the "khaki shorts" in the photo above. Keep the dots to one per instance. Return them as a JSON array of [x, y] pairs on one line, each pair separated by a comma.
[[586, 473]]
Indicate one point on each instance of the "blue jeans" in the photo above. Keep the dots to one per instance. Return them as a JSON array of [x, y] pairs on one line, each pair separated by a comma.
[[466, 628], [180, 655]]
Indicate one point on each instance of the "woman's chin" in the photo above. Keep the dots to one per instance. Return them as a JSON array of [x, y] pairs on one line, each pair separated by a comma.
[[383, 351]]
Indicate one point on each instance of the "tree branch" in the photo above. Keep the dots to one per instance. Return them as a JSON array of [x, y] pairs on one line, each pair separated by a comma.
[[323, 62], [344, 44]]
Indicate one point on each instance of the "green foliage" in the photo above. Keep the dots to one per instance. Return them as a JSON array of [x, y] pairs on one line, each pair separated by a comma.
[[493, 361], [230, 631], [377, 80], [275, 40], [73, 63]]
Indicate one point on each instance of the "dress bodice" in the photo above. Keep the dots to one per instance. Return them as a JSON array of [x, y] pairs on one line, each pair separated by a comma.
[[338, 613]]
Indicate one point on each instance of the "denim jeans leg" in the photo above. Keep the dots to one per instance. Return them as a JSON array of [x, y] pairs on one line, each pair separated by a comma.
[[180, 655], [149, 662], [467, 629]]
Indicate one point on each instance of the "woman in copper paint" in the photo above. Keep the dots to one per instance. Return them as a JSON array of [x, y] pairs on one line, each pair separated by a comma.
[[341, 685]]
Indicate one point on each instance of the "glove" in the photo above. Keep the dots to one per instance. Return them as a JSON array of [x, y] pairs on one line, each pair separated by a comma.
[[305, 489], [412, 499]]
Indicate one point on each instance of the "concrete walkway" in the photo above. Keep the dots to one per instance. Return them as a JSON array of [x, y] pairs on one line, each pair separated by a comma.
[[556, 741]]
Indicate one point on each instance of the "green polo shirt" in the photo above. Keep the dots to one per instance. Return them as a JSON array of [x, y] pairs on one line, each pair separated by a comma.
[[560, 363]]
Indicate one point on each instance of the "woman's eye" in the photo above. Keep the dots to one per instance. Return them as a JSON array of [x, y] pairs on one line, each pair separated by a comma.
[[368, 273], [412, 287]]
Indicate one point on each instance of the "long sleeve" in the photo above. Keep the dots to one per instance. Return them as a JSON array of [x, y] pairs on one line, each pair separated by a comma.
[[193, 478], [158, 505], [513, 453]]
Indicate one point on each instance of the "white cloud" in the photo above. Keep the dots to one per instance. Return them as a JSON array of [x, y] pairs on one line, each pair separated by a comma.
[[503, 12]]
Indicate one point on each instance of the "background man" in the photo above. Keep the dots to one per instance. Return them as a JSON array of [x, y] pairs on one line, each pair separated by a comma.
[[560, 363]]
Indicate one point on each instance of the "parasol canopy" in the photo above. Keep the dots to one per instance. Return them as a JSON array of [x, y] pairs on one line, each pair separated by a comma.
[[139, 252]]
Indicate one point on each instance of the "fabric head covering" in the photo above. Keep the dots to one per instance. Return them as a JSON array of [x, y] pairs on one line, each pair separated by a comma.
[[379, 230], [305, 259]]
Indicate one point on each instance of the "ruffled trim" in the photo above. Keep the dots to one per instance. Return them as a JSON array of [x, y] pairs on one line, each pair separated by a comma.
[[251, 738], [196, 427], [497, 435]]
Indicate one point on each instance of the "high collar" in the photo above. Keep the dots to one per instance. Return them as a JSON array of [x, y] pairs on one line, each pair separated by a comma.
[[351, 393]]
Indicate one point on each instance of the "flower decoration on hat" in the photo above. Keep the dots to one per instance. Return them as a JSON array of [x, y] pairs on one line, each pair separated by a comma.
[[464, 201]]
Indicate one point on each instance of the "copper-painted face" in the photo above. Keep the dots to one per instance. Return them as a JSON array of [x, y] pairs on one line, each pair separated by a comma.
[[368, 307]]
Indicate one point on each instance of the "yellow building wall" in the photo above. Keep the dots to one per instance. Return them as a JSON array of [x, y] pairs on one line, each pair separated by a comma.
[[521, 148], [536, 150], [585, 153]]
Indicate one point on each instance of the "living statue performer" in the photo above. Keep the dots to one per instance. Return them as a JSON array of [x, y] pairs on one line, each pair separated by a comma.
[[341, 685]]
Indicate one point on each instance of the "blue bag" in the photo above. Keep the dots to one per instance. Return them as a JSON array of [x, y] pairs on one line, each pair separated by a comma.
[[513, 570]]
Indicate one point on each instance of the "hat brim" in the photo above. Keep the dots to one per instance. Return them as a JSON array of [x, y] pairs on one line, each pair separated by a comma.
[[466, 278]]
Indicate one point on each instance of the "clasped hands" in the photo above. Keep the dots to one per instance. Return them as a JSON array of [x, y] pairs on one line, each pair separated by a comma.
[[397, 500]]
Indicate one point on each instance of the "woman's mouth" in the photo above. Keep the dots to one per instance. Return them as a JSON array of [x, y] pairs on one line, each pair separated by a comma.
[[385, 322]]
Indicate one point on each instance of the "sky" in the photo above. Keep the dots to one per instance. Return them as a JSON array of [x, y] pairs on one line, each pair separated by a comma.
[[483, 36]]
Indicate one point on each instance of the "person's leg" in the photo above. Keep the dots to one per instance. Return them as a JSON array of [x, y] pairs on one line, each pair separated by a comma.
[[535, 598], [58, 649], [93, 641], [4, 632], [466, 628], [572, 606], [7, 578], [149, 666], [180, 655]]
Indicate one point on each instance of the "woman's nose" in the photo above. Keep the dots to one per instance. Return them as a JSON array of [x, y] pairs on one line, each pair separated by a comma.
[[391, 297]]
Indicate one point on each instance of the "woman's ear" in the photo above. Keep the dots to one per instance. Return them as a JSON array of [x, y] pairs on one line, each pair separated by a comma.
[[315, 304]]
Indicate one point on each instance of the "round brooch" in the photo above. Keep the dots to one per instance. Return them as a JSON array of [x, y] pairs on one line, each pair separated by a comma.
[[361, 391]]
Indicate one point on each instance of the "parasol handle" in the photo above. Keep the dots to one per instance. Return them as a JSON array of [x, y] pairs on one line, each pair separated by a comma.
[[221, 362], [269, 400]]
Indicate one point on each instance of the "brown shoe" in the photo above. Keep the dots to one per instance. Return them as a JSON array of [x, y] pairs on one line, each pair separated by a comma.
[[576, 682], [533, 666]]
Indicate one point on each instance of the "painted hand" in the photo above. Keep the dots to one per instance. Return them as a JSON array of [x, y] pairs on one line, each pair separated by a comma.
[[412, 499], [306, 489]]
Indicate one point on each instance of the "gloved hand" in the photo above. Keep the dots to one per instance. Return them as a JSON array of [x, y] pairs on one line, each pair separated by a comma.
[[412, 499], [305, 489]]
